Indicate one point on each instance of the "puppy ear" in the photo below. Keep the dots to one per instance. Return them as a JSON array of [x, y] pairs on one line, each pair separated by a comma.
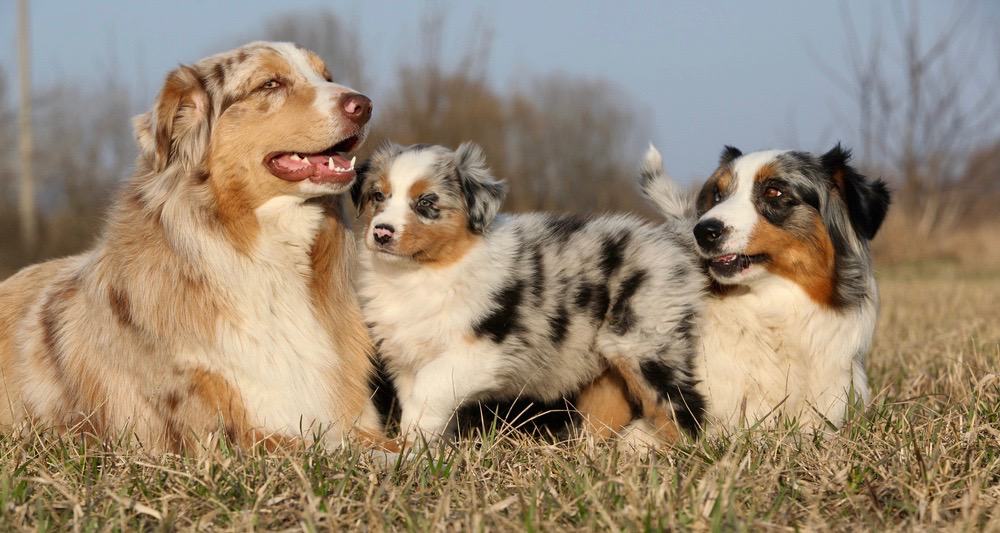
[[729, 153], [357, 190], [177, 128], [483, 194], [867, 200]]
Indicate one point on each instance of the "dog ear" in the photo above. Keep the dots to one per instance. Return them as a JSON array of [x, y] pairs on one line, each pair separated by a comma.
[[483, 194], [729, 153], [176, 130], [867, 200], [358, 189]]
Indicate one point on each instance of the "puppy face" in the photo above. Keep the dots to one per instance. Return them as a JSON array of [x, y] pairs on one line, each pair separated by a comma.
[[788, 214], [426, 204], [257, 122]]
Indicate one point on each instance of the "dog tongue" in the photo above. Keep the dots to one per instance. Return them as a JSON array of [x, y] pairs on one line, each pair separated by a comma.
[[316, 168]]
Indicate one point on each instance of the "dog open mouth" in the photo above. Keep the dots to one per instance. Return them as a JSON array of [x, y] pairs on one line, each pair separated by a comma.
[[731, 264], [329, 166]]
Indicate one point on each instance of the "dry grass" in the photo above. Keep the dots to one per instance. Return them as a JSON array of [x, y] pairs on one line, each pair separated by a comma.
[[925, 455]]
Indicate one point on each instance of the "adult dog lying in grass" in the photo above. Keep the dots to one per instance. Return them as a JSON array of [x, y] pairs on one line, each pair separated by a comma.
[[218, 297]]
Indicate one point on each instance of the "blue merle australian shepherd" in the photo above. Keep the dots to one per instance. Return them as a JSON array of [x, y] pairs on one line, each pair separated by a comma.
[[467, 305]]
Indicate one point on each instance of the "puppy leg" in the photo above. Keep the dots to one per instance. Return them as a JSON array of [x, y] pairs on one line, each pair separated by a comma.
[[606, 406], [656, 410], [438, 389]]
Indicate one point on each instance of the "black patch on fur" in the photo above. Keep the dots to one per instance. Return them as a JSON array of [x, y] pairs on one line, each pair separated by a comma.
[[867, 200], [552, 420], [503, 320], [688, 404], [729, 153], [583, 295], [559, 325], [613, 253], [599, 305], [538, 279], [622, 317], [685, 326], [384, 394], [563, 228]]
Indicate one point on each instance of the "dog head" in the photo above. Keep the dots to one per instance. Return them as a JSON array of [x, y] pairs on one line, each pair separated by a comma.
[[254, 123], [790, 214], [426, 204]]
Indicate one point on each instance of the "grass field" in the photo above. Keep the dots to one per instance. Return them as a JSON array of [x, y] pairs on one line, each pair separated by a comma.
[[925, 455]]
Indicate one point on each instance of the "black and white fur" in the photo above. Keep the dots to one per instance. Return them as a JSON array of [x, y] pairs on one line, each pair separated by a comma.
[[785, 331], [537, 306]]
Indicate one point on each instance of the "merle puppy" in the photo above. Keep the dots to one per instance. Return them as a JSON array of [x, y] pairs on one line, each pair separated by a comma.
[[470, 306]]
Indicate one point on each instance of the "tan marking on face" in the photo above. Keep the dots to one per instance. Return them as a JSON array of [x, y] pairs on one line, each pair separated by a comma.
[[722, 179], [808, 261], [765, 172], [605, 405], [437, 244], [418, 188]]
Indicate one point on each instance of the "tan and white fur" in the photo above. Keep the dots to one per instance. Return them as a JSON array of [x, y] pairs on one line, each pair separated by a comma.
[[219, 296]]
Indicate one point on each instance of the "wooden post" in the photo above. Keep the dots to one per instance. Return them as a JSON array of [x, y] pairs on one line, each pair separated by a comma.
[[26, 198]]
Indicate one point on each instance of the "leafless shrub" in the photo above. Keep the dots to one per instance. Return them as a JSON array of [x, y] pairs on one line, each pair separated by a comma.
[[922, 103], [562, 142]]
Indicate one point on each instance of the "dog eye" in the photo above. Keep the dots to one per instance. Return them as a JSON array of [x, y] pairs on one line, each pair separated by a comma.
[[716, 196], [773, 192], [377, 196], [270, 84], [424, 202]]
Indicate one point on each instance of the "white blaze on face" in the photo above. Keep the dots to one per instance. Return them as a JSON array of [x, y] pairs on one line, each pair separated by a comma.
[[736, 211], [405, 170], [327, 93]]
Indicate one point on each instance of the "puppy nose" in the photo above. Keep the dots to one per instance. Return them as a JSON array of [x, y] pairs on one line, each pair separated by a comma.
[[357, 107], [383, 233], [707, 232]]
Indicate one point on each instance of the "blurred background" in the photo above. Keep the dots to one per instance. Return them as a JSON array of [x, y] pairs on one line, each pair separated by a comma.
[[563, 95]]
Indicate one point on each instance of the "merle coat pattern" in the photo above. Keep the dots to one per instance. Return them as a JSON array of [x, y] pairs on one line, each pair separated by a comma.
[[532, 306]]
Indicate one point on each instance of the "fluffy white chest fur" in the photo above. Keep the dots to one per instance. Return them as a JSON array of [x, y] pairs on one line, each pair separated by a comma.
[[773, 350], [423, 312], [273, 348]]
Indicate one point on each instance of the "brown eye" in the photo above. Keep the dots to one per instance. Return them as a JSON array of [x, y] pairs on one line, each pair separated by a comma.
[[270, 84], [716, 195], [773, 192], [377, 196]]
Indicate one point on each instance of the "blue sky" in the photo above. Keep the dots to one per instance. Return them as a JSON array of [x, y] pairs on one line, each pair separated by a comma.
[[703, 74]]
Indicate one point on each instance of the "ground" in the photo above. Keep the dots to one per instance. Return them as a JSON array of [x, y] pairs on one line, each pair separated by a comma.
[[924, 455]]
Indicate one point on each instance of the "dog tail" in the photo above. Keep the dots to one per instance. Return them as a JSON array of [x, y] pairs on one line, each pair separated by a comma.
[[659, 189]]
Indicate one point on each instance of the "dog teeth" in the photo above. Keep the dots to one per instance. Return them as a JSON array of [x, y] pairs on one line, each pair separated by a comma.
[[295, 157], [352, 162], [329, 164]]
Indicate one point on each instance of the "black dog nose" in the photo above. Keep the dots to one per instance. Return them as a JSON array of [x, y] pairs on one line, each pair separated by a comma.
[[707, 232], [383, 233]]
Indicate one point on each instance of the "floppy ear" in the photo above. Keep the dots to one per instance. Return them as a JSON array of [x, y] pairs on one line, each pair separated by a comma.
[[729, 153], [176, 130], [483, 194], [867, 200], [358, 189]]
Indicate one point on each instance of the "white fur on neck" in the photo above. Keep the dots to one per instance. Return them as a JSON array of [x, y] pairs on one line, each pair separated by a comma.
[[774, 350]]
